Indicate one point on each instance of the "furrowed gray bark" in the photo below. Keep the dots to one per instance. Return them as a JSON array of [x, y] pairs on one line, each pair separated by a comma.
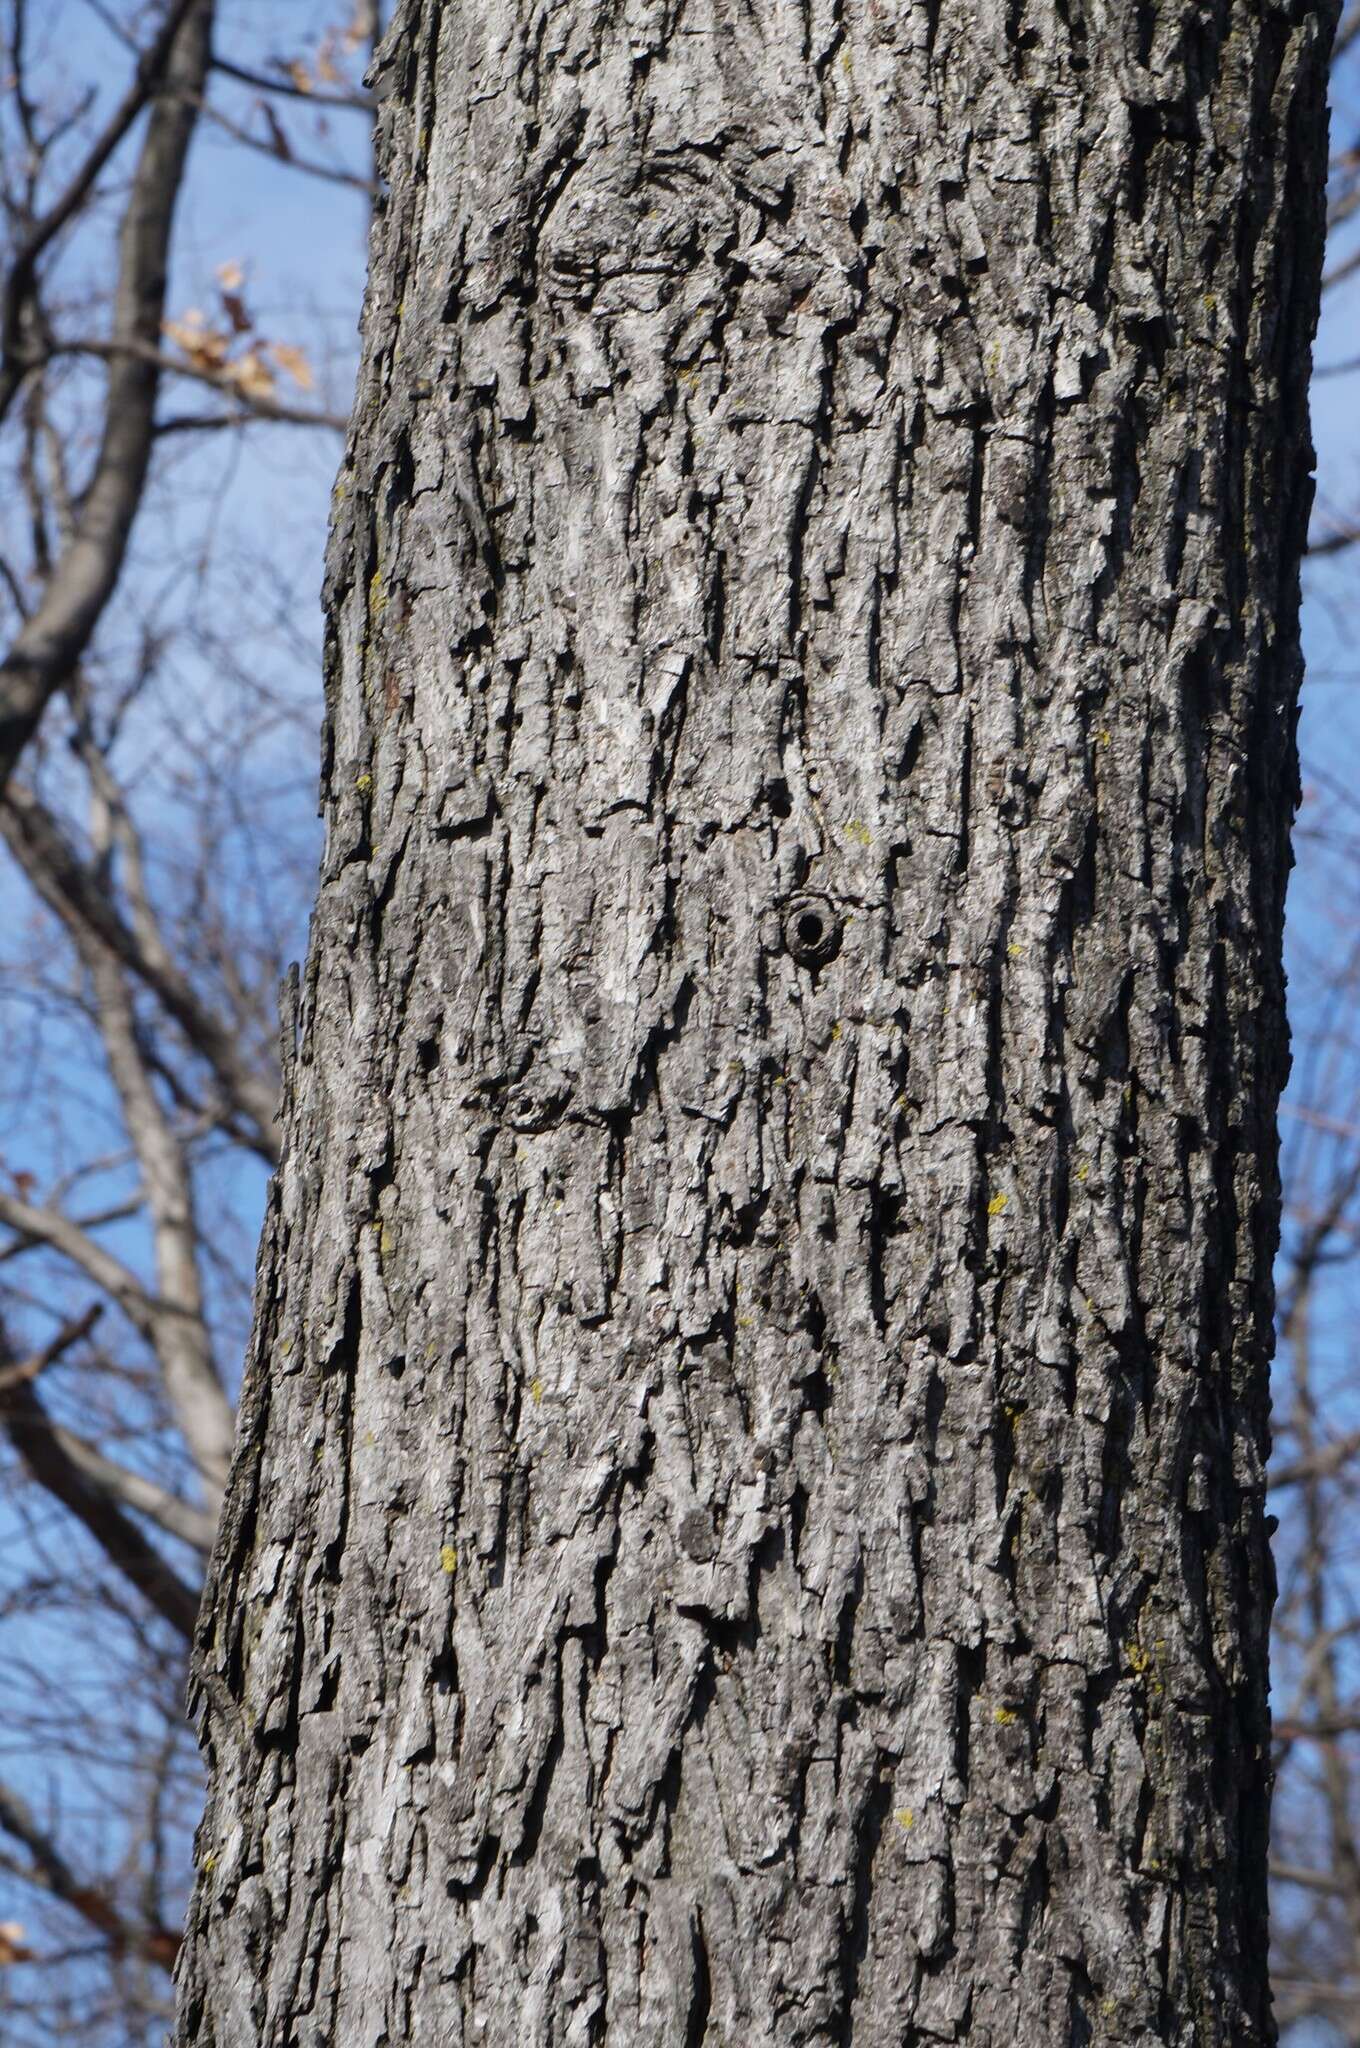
[[747, 1520]]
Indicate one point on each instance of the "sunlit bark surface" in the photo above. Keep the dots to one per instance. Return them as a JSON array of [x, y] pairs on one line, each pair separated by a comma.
[[747, 1524]]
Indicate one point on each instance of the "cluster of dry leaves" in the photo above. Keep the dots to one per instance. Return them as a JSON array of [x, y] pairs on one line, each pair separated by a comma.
[[230, 350], [336, 44], [12, 1948]]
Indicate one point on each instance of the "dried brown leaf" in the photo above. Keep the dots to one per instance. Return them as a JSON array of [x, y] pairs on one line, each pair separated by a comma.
[[12, 1948], [361, 26], [251, 375], [206, 347], [293, 362]]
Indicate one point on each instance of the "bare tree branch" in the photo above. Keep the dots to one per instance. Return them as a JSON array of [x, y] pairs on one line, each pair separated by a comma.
[[1322, 1463], [131, 1489], [1333, 543], [283, 151], [31, 1432], [50, 643], [1309, 1880], [29, 1368], [252, 407], [1347, 267], [357, 102], [50, 1870], [172, 1328], [178, 1518], [19, 284], [80, 897], [50, 1227], [179, 1333]]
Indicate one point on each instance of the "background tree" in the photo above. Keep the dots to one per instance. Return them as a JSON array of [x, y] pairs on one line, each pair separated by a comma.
[[175, 361], [748, 1517]]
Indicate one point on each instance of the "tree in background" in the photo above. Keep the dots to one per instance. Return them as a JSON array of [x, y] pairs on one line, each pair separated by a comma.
[[167, 445], [748, 1517]]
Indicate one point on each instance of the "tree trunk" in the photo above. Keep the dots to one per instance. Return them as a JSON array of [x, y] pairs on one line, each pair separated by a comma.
[[747, 1525]]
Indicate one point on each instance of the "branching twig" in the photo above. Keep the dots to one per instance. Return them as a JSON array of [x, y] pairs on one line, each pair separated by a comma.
[[52, 640]]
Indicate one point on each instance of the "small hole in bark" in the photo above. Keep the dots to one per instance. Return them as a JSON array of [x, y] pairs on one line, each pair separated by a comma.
[[812, 931]]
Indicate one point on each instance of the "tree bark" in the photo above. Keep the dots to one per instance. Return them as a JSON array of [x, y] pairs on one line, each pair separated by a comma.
[[747, 1523]]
